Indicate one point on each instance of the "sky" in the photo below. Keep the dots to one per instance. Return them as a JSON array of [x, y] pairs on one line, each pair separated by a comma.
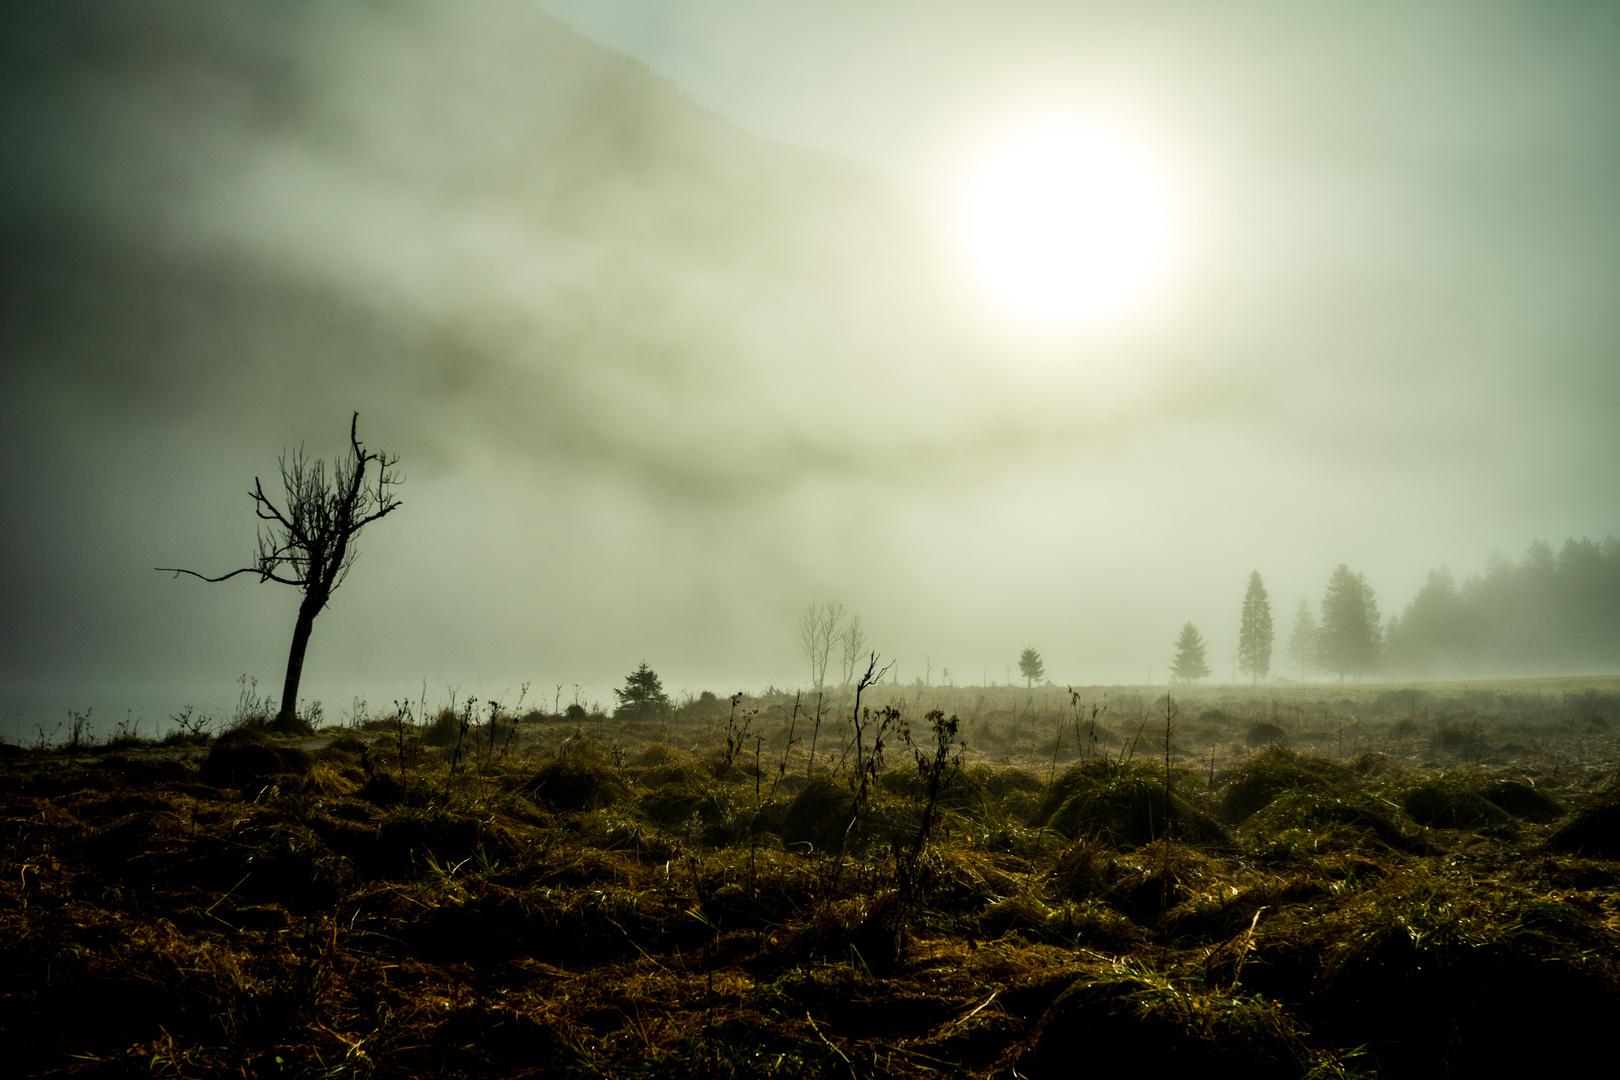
[[668, 312]]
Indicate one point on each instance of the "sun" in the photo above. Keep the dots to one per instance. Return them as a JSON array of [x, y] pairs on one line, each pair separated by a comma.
[[1066, 225]]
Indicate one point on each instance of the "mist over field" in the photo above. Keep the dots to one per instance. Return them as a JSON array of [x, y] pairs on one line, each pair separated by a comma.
[[663, 311]]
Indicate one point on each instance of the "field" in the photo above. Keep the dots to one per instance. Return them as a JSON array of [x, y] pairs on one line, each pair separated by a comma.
[[1279, 882]]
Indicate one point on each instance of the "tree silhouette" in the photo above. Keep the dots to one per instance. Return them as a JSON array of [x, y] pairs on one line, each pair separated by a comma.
[[1349, 639], [1189, 665], [1031, 667], [1302, 644], [852, 639], [310, 543], [1548, 612], [1255, 634], [818, 627], [643, 695]]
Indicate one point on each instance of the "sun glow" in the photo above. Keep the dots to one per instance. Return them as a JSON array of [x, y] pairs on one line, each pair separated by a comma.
[[1066, 225]]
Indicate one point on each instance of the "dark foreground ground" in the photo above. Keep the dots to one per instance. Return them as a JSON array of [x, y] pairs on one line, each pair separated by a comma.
[[1433, 894]]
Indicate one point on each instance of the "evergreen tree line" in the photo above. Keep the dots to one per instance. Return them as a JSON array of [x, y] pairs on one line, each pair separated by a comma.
[[1547, 614]]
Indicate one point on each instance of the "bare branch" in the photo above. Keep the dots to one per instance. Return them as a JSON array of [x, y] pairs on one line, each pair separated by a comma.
[[177, 571], [263, 503]]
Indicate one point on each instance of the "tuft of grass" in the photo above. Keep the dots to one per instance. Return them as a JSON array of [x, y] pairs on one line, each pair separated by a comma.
[[1254, 783], [1127, 805], [1592, 830], [1449, 802]]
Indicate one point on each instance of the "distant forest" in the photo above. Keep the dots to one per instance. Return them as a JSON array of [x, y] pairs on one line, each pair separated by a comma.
[[1547, 614]]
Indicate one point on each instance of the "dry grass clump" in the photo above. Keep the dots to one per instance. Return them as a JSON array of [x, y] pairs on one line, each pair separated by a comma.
[[819, 817], [1592, 830], [1088, 923], [1138, 1022], [1447, 802], [582, 776], [1303, 824], [1522, 799], [246, 757], [1253, 783], [1264, 733], [1127, 805], [1429, 973], [658, 753]]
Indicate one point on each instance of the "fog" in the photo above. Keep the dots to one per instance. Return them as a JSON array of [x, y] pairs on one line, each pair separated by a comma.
[[659, 307]]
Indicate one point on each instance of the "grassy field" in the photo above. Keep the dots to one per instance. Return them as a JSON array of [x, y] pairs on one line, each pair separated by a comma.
[[1291, 881]]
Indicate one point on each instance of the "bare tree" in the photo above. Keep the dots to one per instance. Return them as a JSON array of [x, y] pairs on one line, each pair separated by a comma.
[[852, 641], [818, 627], [309, 544]]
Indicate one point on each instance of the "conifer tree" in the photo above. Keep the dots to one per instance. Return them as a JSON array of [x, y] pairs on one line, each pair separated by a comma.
[[1031, 667], [643, 695], [1302, 644], [1351, 634], [1255, 633], [1190, 664]]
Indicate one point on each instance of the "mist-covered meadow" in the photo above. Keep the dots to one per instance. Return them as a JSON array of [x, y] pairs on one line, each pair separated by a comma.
[[989, 881]]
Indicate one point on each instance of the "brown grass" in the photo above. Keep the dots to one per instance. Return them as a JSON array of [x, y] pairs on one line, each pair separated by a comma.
[[610, 904]]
